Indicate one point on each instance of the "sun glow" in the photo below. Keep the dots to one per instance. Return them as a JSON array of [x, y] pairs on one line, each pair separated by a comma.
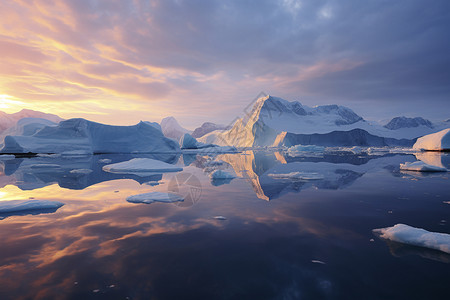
[[8, 104]]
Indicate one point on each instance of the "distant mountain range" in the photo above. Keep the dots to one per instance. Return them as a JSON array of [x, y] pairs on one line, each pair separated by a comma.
[[274, 122]]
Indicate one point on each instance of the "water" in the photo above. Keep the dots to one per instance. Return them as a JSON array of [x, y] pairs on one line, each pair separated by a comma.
[[279, 238]]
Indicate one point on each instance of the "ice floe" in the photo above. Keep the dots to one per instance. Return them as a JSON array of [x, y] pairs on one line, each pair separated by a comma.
[[151, 197], [28, 205], [420, 166], [141, 165], [405, 234]]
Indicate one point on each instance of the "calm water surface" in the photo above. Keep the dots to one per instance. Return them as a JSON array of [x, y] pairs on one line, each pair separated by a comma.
[[279, 238]]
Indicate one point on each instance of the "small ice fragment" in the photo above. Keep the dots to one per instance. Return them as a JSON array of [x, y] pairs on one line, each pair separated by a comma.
[[112, 286], [219, 218], [81, 171], [371, 240], [390, 212], [446, 202], [96, 291], [317, 261], [104, 161]]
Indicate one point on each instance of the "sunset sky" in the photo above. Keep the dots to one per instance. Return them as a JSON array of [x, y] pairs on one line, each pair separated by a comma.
[[119, 62]]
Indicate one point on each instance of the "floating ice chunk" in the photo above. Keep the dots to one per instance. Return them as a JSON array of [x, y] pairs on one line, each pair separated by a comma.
[[151, 197], [221, 218], [220, 174], [416, 237], [141, 165], [45, 166], [24, 205], [436, 141], [300, 150], [105, 161], [297, 175], [420, 166], [81, 171], [317, 261], [7, 157]]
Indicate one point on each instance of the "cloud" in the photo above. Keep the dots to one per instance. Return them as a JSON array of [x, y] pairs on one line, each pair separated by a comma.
[[212, 52]]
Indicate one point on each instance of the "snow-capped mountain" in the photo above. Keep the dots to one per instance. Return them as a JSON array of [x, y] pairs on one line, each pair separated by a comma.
[[172, 129], [206, 128], [405, 122], [9, 120], [274, 121]]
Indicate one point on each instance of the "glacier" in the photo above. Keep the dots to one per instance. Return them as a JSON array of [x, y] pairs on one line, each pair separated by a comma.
[[81, 136]]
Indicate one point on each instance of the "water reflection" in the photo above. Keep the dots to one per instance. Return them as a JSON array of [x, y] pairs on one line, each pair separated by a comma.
[[100, 246]]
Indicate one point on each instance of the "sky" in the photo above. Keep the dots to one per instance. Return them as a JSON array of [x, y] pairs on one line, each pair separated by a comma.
[[119, 62]]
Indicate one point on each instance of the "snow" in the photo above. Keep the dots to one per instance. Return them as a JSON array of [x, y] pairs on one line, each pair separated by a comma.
[[24, 205], [151, 197], [416, 237], [297, 176], [141, 165], [420, 166], [79, 136], [437, 141], [220, 174]]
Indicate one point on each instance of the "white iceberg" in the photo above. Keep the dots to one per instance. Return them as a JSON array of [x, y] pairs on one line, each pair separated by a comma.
[[151, 197], [416, 237], [439, 141], [297, 176], [420, 166], [141, 165], [172, 129], [26, 205], [220, 174], [79, 136]]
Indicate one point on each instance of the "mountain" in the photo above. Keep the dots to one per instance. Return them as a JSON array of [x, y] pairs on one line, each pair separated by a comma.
[[206, 128], [404, 122], [80, 136], [9, 120], [172, 129], [274, 121]]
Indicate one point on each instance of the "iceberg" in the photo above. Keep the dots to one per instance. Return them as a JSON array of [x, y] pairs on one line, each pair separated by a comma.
[[82, 136], [301, 150], [420, 166], [172, 129], [416, 237], [276, 122], [141, 165], [439, 141], [151, 197], [28, 205]]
